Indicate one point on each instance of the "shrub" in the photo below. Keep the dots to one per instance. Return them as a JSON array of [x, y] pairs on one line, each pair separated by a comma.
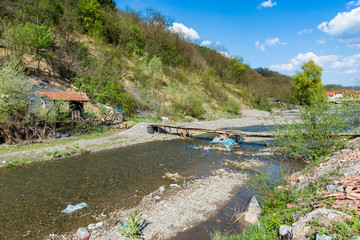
[[316, 134], [14, 92], [233, 106], [186, 100]]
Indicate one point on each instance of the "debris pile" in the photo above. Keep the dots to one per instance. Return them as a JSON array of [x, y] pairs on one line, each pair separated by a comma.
[[175, 177], [346, 196], [345, 156], [247, 164]]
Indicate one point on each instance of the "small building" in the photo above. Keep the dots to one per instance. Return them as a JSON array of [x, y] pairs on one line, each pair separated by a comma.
[[75, 100]]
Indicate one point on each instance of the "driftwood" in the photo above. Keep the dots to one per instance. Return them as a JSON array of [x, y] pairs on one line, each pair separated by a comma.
[[16, 131]]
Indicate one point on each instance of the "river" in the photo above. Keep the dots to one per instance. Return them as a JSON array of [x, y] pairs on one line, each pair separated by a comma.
[[33, 195]]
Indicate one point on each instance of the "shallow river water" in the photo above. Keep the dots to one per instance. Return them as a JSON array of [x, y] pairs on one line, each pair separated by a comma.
[[32, 196]]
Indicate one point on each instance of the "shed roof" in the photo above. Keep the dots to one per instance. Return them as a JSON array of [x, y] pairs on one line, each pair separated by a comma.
[[64, 96]]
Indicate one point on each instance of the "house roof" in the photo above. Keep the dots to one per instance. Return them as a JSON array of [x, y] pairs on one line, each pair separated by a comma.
[[64, 96]]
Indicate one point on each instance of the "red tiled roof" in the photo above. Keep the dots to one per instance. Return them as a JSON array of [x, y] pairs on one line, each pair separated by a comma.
[[330, 93], [64, 96], [350, 91]]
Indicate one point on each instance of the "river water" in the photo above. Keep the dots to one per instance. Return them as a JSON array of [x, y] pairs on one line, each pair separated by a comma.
[[32, 196]]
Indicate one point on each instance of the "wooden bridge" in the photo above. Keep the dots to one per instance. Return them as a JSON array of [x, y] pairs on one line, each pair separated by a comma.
[[184, 131]]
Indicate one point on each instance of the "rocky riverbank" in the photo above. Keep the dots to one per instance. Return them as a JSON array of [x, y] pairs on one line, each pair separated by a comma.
[[335, 204]]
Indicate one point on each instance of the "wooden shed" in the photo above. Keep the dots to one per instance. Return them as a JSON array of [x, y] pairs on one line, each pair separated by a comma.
[[76, 101]]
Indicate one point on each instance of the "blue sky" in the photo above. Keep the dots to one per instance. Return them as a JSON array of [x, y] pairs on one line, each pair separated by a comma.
[[276, 34]]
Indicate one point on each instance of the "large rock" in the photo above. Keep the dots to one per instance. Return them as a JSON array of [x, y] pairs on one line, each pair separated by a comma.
[[251, 215], [326, 217], [285, 232]]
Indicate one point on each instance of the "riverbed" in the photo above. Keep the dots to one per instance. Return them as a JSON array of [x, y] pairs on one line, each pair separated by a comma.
[[34, 195]]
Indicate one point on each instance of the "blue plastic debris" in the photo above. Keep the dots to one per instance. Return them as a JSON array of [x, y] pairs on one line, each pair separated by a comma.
[[192, 146]]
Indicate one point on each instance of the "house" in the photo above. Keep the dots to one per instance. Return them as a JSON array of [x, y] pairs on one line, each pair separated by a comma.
[[75, 101]]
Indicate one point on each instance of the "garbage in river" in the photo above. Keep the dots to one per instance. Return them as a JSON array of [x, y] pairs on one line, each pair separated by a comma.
[[95, 225], [71, 208], [162, 189], [211, 147], [223, 140], [82, 233]]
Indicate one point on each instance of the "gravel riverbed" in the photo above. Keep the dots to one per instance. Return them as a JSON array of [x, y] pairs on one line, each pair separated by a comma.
[[177, 209]]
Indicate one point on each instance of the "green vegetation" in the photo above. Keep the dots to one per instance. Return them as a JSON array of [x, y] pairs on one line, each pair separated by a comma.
[[107, 52], [14, 92], [133, 227], [316, 134], [307, 85]]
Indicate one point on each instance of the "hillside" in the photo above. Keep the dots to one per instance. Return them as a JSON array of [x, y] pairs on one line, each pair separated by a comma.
[[130, 60]]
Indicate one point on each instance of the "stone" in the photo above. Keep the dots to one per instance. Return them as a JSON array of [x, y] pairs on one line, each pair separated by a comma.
[[285, 232], [327, 217], [323, 237], [335, 188], [251, 214]]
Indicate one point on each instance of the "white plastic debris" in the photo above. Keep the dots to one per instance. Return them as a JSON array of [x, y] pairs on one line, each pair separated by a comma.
[[82, 233], [162, 189], [95, 225], [71, 208]]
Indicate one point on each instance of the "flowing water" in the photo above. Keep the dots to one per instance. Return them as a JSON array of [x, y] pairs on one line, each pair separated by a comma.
[[32, 196]]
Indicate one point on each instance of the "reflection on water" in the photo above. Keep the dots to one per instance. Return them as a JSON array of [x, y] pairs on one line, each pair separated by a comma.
[[33, 196]]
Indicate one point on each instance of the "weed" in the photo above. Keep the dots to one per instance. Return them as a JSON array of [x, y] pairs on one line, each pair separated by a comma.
[[257, 232], [10, 164], [133, 227]]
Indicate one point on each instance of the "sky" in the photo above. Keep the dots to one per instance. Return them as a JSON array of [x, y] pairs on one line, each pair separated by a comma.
[[275, 34]]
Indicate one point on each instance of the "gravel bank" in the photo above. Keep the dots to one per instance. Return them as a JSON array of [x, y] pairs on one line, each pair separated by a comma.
[[176, 210]]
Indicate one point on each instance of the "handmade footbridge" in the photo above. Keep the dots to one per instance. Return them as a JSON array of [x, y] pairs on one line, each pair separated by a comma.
[[185, 131]]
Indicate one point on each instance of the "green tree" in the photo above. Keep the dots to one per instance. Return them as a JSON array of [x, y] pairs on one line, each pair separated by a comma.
[[307, 86], [91, 18], [14, 92], [236, 69], [30, 39]]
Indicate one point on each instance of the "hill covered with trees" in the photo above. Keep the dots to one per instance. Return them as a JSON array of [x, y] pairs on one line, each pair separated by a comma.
[[130, 60]]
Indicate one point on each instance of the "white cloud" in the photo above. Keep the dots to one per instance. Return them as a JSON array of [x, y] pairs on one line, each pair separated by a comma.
[[206, 43], [345, 26], [225, 54], [305, 31], [346, 65], [188, 33], [217, 43], [352, 4], [321, 41], [267, 4], [269, 42]]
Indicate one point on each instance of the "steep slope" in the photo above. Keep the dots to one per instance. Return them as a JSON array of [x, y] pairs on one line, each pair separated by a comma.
[[129, 60]]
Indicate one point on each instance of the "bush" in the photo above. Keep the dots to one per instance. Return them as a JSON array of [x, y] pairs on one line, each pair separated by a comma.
[[316, 134], [14, 92], [186, 100], [233, 106]]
